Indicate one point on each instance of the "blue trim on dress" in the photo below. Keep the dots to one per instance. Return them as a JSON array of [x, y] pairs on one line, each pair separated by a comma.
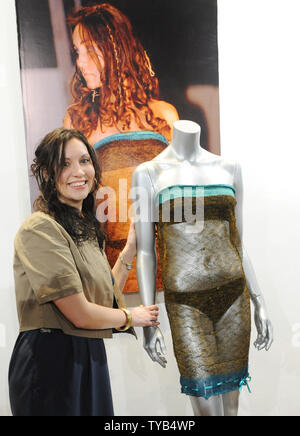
[[139, 135], [215, 385], [165, 194]]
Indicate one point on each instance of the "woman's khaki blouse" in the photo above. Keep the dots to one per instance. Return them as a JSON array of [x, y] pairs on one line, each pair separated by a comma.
[[48, 265]]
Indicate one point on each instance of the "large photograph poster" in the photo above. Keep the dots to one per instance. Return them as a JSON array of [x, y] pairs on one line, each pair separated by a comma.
[[168, 63]]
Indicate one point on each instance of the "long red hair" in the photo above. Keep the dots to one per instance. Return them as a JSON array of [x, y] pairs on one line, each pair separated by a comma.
[[128, 81]]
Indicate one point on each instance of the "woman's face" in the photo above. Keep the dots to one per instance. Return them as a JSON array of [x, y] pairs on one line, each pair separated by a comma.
[[85, 62], [78, 175]]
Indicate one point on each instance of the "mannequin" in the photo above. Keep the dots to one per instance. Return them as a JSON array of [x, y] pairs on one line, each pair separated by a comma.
[[185, 163]]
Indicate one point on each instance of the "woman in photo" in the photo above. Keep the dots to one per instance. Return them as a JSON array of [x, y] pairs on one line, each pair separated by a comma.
[[116, 104], [68, 298]]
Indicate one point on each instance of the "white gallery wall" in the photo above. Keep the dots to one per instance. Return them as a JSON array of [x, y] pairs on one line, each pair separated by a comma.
[[259, 95], [14, 185]]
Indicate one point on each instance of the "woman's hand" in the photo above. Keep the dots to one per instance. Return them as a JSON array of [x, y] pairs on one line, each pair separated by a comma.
[[145, 316]]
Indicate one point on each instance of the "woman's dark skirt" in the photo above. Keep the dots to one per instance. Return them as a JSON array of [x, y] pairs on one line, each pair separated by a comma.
[[54, 374]]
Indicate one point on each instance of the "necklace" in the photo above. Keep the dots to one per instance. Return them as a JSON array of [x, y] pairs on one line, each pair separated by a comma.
[[94, 95]]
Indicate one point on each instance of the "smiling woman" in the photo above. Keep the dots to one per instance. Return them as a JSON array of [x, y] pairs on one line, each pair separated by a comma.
[[77, 178], [68, 298], [63, 157]]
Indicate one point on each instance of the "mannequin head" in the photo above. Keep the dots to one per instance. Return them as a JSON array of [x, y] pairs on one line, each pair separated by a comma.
[[186, 139], [186, 126]]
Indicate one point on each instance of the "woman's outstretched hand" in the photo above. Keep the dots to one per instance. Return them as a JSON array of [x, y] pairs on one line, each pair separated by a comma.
[[145, 316]]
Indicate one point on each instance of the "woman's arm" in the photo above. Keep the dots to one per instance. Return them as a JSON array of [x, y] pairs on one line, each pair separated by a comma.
[[85, 315], [120, 272], [48, 263], [89, 316]]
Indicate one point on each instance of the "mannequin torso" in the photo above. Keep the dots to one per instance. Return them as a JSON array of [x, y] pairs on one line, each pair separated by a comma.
[[207, 169], [186, 163]]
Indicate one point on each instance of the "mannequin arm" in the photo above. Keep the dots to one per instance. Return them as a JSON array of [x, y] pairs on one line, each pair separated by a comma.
[[141, 195], [262, 322]]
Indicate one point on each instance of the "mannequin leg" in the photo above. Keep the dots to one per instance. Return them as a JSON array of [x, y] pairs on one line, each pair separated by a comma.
[[231, 403], [211, 407]]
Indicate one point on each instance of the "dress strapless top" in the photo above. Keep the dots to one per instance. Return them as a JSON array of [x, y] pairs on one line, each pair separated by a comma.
[[199, 244], [131, 136]]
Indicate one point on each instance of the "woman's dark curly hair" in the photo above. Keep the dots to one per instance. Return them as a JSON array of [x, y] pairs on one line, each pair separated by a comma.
[[128, 81], [47, 168]]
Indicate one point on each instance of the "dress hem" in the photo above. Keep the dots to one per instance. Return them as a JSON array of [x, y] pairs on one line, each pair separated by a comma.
[[215, 385]]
